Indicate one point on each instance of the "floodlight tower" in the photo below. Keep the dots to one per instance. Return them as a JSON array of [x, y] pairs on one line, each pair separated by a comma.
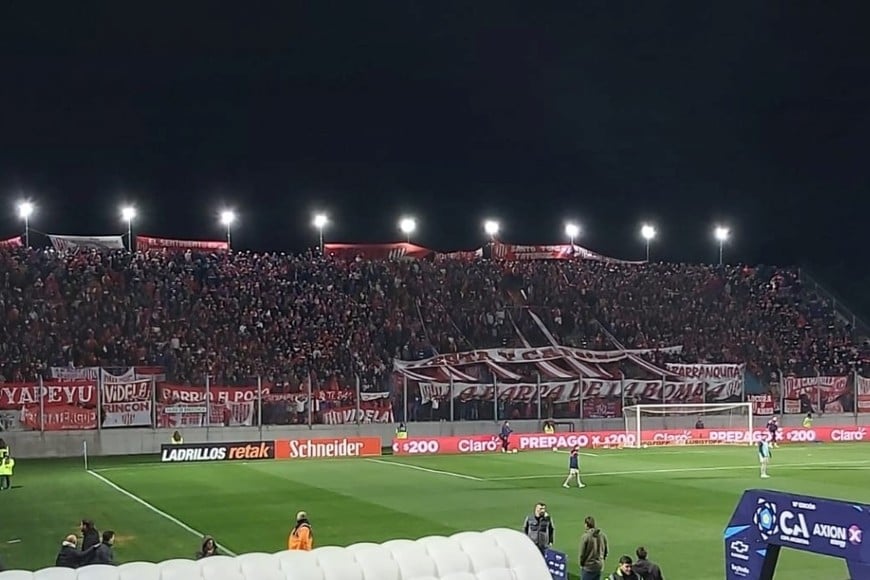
[[25, 210], [491, 227], [407, 225], [721, 234], [228, 217], [572, 230], [647, 232], [320, 221], [128, 213]]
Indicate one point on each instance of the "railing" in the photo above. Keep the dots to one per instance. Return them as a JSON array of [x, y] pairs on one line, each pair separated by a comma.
[[810, 282]]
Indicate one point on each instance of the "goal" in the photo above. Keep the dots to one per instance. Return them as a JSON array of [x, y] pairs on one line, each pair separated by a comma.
[[724, 423]]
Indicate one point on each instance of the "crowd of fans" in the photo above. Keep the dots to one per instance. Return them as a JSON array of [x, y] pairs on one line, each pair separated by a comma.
[[285, 317]]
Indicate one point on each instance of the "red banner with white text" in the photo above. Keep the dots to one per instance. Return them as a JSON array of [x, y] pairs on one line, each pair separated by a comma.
[[862, 390], [462, 444], [52, 406], [761, 404], [11, 242], [815, 394], [144, 243]]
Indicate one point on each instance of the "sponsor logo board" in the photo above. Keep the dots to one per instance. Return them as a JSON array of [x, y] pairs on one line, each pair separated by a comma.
[[327, 448], [198, 452]]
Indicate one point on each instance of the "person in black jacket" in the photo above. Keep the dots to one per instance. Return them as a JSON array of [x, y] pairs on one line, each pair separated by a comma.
[[104, 554], [208, 548], [644, 568], [90, 538], [70, 556]]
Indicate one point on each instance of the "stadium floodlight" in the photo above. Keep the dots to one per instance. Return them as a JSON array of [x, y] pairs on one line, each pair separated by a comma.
[[25, 210], [572, 230], [128, 213], [732, 417], [647, 232], [721, 233], [320, 220], [407, 225], [491, 228], [228, 217]]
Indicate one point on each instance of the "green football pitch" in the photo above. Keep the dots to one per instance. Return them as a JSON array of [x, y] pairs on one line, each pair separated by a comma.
[[675, 501]]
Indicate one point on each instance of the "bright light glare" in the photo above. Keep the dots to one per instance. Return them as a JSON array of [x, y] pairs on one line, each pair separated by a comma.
[[25, 209], [128, 213], [721, 233], [648, 232], [228, 217], [490, 227], [320, 220], [572, 230], [407, 225]]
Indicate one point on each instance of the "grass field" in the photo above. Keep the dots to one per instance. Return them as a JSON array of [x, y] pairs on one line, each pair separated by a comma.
[[675, 501]]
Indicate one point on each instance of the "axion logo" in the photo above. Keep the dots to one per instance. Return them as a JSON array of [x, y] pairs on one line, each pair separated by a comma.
[[856, 535]]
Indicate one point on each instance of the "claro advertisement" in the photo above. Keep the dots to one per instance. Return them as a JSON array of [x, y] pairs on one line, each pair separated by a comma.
[[597, 439], [318, 448]]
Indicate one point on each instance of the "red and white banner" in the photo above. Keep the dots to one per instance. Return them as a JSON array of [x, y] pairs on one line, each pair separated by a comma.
[[184, 406], [596, 439], [11, 242], [127, 404], [592, 389], [527, 356], [16, 395], [862, 388], [708, 371], [761, 404], [108, 375], [76, 243], [502, 251], [168, 393], [822, 393], [144, 243], [396, 251], [59, 418]]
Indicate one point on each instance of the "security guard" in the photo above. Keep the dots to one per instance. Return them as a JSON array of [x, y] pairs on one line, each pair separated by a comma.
[[177, 439], [539, 527], [401, 431], [301, 537], [7, 465]]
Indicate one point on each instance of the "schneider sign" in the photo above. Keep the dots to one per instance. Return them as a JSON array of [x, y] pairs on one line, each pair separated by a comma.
[[194, 452]]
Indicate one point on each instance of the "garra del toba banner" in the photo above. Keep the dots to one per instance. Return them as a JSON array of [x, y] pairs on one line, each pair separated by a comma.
[[689, 391], [144, 243], [462, 444], [11, 242], [76, 243]]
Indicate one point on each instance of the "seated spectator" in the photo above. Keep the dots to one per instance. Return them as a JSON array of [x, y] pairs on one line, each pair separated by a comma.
[[70, 556], [207, 549]]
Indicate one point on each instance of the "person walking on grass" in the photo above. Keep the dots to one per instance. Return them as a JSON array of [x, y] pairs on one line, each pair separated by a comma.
[[574, 468], [593, 551]]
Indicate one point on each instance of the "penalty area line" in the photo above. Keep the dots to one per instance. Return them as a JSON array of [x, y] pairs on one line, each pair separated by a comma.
[[427, 470], [156, 510], [797, 466]]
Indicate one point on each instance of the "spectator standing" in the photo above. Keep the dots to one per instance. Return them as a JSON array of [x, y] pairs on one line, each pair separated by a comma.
[[104, 553], [301, 537], [208, 548], [624, 571], [644, 568], [90, 538], [539, 527], [593, 551], [69, 555]]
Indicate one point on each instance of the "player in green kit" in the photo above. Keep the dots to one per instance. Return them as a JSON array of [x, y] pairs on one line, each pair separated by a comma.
[[764, 456]]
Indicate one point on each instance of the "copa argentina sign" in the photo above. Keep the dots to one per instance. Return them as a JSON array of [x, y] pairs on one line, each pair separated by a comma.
[[766, 521]]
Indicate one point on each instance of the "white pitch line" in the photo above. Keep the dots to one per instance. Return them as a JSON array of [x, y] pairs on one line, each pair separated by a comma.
[[684, 470], [427, 470], [157, 511]]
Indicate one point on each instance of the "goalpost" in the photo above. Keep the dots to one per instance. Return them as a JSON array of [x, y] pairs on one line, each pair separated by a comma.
[[733, 416]]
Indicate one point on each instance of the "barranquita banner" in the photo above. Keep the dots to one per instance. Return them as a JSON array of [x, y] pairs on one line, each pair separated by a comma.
[[76, 243]]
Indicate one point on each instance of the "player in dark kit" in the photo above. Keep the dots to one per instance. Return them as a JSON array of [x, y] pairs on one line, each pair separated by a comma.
[[505, 436], [574, 468], [773, 427]]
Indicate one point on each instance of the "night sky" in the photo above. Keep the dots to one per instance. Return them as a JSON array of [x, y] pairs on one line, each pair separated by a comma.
[[686, 114]]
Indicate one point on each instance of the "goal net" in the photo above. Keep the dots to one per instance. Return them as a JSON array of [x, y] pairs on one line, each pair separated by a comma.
[[688, 424]]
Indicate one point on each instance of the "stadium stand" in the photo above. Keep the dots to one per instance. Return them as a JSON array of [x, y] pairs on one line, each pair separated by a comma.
[[497, 553], [285, 317]]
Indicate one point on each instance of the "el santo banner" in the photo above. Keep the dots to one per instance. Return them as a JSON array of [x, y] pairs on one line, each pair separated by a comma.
[[766, 521], [591, 439]]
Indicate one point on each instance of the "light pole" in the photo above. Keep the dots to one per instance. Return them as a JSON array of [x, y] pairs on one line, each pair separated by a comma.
[[407, 225], [320, 221], [25, 210], [491, 228], [227, 219], [572, 230], [648, 232], [127, 214], [721, 234]]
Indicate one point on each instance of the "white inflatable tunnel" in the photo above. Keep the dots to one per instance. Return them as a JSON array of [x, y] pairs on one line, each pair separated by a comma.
[[498, 554]]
